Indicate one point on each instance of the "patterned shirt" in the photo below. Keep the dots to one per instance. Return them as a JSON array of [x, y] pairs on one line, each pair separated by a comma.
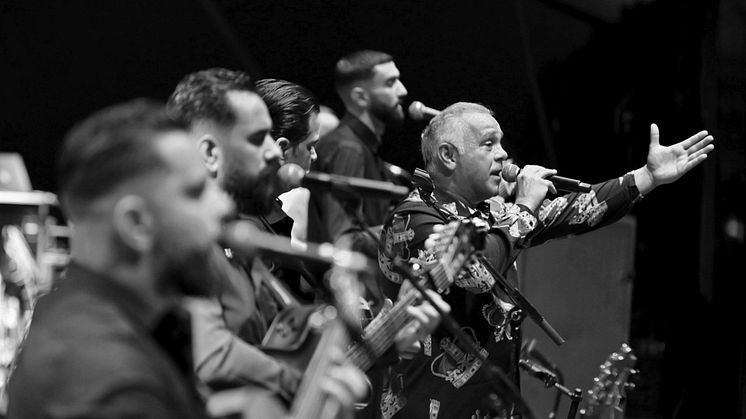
[[443, 380]]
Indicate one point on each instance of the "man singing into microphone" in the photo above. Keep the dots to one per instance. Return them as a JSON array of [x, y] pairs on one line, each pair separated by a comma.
[[463, 156], [369, 86]]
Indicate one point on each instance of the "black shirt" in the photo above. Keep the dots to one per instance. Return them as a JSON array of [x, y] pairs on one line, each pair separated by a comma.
[[95, 349]]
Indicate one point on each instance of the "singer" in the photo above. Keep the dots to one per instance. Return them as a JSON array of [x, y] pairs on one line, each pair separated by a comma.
[[463, 155], [368, 84]]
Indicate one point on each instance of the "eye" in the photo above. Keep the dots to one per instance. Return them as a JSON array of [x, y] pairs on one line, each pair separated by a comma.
[[196, 190], [257, 138]]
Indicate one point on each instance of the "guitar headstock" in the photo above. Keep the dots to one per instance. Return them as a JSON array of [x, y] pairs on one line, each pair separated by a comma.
[[607, 395], [454, 243]]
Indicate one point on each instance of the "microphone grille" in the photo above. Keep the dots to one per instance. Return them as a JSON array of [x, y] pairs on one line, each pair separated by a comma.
[[415, 110], [510, 172], [291, 175]]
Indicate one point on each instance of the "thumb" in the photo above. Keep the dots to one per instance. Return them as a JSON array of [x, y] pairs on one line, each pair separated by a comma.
[[387, 304], [654, 135]]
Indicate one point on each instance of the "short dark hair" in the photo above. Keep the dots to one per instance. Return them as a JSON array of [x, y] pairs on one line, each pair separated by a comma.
[[358, 66], [111, 146], [202, 95], [290, 107]]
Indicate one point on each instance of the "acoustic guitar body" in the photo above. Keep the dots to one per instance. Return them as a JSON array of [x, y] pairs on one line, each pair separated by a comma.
[[291, 338]]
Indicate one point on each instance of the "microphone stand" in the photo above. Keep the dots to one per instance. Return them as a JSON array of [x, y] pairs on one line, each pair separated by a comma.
[[521, 301], [505, 388], [555, 380]]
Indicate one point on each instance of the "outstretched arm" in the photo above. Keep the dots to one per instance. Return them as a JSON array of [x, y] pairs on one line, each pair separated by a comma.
[[666, 164]]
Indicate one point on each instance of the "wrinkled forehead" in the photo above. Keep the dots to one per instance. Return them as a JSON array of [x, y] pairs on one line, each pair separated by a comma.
[[471, 128], [480, 126]]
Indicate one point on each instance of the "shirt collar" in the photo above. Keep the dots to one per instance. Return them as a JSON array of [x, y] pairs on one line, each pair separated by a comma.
[[448, 201], [370, 139]]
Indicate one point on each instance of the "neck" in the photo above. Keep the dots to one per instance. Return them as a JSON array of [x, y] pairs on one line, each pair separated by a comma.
[[370, 121], [135, 273], [450, 191]]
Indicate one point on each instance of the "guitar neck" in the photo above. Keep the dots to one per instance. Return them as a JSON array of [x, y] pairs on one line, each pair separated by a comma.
[[380, 333], [310, 400]]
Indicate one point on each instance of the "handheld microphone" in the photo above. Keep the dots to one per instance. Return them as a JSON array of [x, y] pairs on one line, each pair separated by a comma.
[[294, 176], [247, 240], [418, 111], [510, 174]]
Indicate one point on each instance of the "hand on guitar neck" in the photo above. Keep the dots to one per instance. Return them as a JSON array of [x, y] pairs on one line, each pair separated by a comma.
[[424, 320]]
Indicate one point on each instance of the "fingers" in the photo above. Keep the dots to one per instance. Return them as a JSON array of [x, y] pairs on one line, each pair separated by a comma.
[[387, 304], [702, 151], [534, 171], [705, 142], [696, 138], [345, 383], [692, 163], [551, 187], [439, 301], [407, 339], [411, 350], [654, 135], [417, 315]]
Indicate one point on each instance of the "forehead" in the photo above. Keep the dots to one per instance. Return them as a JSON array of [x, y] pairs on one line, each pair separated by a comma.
[[384, 71], [482, 125], [249, 110]]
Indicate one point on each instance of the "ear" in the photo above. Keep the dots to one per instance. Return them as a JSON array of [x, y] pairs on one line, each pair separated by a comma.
[[447, 155], [283, 143], [360, 97], [210, 152], [133, 223]]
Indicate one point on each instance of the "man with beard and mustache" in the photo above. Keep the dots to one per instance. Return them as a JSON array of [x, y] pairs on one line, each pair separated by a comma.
[[369, 86], [231, 126], [110, 340]]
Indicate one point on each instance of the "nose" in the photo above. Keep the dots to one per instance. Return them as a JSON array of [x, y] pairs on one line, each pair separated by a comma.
[[500, 153], [402, 90]]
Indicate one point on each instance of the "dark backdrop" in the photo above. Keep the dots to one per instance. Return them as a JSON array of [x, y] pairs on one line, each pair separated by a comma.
[[572, 90]]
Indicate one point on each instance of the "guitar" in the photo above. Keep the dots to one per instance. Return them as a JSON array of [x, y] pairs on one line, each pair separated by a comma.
[[290, 340], [301, 335], [311, 401], [454, 245], [608, 392]]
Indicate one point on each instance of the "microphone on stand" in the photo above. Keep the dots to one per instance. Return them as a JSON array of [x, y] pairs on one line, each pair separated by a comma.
[[247, 240], [294, 176], [530, 350], [534, 369], [510, 174], [400, 174], [418, 111]]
